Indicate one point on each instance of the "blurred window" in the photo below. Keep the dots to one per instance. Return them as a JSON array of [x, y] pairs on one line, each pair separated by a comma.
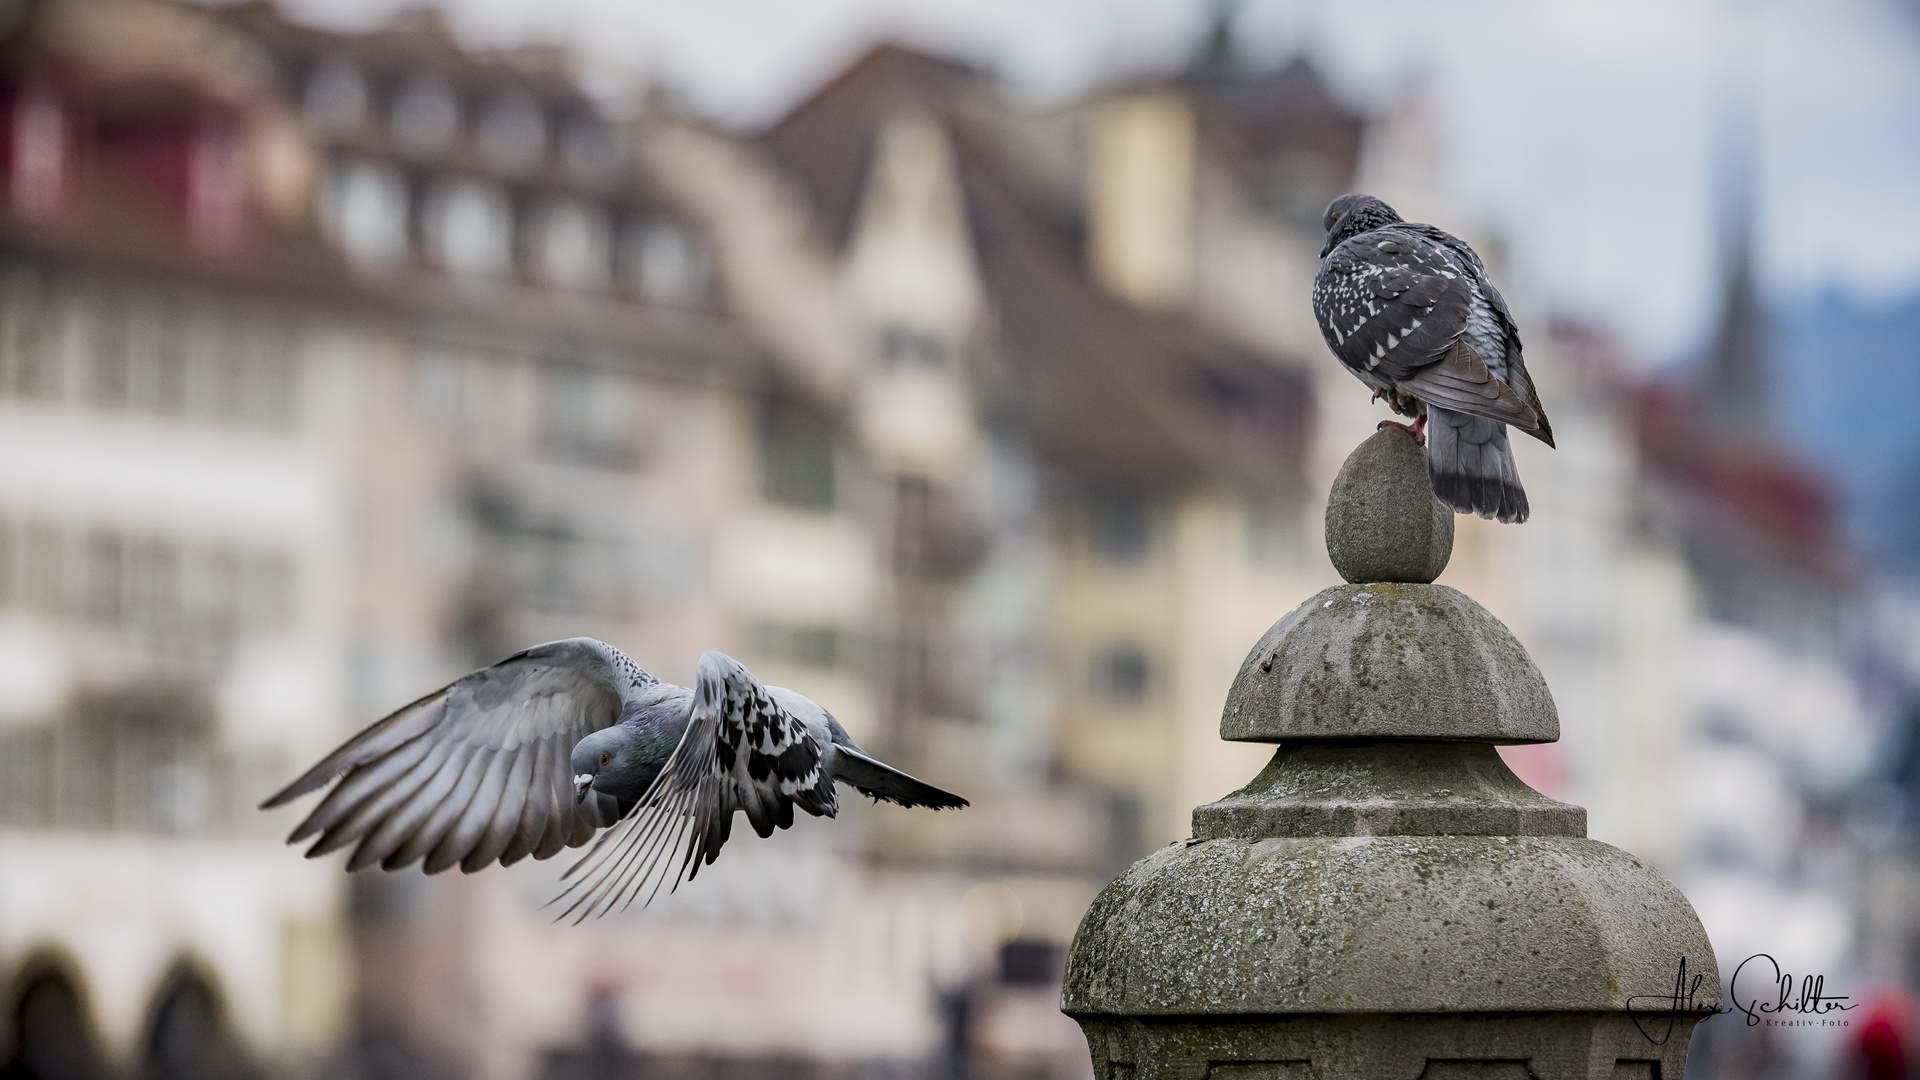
[[166, 384], [436, 390], [513, 133], [43, 569], [924, 673], [271, 397], [591, 149], [1126, 828], [802, 645], [1121, 674], [903, 346], [574, 249], [443, 535], [52, 1033], [156, 587], [796, 456], [10, 570], [153, 585], [469, 228], [31, 342], [1120, 526], [365, 211], [40, 172], [217, 186], [222, 376], [1026, 962], [461, 395], [934, 533], [1276, 535], [109, 357], [665, 262], [585, 412], [1297, 188], [336, 98], [227, 368], [426, 117], [103, 577], [191, 1037], [142, 757], [564, 571]]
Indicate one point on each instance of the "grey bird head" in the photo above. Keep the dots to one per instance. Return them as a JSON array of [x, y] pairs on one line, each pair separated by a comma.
[[624, 759], [614, 760], [594, 754], [1350, 215]]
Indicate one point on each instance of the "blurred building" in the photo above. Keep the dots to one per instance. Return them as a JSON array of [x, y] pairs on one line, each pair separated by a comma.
[[1088, 505], [339, 364], [173, 517]]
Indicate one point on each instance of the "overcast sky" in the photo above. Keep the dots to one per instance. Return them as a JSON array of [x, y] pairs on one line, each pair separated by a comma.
[[1590, 133]]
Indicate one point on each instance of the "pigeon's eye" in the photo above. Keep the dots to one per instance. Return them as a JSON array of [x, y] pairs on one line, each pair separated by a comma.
[[605, 760]]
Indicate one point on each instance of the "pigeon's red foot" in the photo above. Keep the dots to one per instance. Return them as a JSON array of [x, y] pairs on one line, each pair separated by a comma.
[[1417, 429]]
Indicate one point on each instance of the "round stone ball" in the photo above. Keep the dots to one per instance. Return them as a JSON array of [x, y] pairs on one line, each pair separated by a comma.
[[1383, 522]]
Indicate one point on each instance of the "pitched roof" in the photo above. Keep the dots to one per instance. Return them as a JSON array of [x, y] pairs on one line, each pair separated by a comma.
[[1112, 393], [1276, 115]]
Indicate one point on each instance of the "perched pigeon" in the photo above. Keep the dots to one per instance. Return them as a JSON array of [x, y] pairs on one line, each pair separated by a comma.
[[1409, 310], [544, 748]]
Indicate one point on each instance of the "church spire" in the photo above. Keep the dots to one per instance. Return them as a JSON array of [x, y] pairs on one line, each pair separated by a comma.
[[1217, 56], [1736, 388], [1736, 391]]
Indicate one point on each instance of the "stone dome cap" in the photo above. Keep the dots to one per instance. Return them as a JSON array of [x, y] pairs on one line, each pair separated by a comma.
[[1389, 660]]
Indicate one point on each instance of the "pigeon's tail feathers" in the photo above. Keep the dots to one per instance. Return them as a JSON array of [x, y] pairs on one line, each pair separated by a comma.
[[1472, 466], [878, 780]]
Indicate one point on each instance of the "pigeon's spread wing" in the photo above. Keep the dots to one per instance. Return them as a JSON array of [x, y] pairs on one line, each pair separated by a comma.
[[742, 750], [475, 772]]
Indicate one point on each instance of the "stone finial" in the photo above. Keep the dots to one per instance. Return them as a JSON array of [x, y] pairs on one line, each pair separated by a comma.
[[1387, 898], [1383, 522]]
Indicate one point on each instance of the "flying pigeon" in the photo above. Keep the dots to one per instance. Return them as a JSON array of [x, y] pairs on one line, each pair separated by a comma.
[[1409, 310], [545, 748]]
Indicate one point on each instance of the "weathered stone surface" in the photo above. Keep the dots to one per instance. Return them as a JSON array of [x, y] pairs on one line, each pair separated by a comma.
[[1386, 788], [1389, 660], [1384, 924], [1383, 523]]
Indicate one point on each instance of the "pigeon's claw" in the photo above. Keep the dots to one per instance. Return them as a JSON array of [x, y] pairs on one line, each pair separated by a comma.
[[1417, 429]]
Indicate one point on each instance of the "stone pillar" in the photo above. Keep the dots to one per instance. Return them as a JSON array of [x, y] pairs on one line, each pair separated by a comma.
[[1387, 899]]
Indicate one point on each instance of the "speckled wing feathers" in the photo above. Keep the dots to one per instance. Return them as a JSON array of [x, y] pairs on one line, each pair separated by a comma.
[[742, 750], [1389, 303]]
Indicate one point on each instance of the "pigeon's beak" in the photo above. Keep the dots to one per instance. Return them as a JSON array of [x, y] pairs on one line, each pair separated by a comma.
[[581, 785], [1332, 227]]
